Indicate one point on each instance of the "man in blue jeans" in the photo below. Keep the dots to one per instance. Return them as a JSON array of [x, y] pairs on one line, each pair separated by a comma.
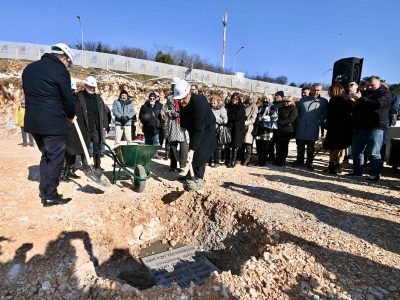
[[370, 118]]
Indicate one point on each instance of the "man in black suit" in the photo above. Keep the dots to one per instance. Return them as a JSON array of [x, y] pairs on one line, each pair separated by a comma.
[[198, 119], [49, 102]]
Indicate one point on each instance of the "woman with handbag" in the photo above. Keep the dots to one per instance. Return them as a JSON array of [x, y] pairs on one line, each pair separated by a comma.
[[222, 132], [236, 119], [267, 123]]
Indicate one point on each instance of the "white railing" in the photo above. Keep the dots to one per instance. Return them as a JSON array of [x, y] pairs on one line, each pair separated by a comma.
[[27, 51]]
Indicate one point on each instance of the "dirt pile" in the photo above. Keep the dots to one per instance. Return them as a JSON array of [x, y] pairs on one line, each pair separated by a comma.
[[109, 86]]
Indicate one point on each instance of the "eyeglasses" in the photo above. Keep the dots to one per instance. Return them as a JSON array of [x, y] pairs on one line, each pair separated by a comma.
[[152, 98]]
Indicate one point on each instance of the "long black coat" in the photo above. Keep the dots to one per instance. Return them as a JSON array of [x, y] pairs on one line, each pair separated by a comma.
[[48, 96], [198, 119], [74, 145], [287, 117], [150, 117], [236, 119], [338, 123]]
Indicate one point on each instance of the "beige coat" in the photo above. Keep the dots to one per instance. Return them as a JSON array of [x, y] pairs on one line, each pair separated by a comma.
[[251, 115]]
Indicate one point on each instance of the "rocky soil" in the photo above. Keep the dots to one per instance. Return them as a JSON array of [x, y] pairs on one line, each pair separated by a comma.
[[274, 233]]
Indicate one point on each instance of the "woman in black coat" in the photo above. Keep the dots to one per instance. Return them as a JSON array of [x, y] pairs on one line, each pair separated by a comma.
[[236, 119], [338, 125], [287, 116]]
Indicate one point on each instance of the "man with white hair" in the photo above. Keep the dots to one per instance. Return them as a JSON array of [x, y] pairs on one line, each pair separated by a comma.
[[312, 112], [49, 103], [198, 119], [94, 118]]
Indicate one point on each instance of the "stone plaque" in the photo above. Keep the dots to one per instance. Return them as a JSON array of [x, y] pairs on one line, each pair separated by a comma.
[[181, 265]]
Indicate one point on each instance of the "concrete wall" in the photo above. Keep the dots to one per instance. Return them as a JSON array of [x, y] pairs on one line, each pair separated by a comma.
[[27, 51]]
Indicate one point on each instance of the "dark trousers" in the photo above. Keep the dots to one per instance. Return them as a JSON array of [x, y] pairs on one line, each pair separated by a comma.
[[199, 171], [262, 147], [178, 156], [95, 138], [51, 163], [301, 148], [70, 160], [282, 150], [272, 145]]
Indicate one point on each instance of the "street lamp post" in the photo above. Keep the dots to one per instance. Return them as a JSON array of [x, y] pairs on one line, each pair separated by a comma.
[[224, 23], [234, 60], [80, 24]]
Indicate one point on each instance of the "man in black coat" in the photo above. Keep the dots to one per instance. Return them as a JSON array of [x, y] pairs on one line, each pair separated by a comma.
[[370, 118], [198, 119], [49, 102], [93, 115], [150, 116]]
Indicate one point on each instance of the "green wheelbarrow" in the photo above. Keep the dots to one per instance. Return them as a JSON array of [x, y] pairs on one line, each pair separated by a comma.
[[134, 160]]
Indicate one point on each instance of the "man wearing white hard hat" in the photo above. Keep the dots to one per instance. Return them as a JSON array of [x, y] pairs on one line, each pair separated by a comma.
[[198, 119], [95, 119], [49, 103]]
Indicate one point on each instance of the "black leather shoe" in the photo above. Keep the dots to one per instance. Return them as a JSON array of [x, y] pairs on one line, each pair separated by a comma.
[[41, 199], [57, 200]]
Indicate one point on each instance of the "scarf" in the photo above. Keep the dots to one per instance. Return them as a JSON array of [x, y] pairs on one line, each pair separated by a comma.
[[177, 110]]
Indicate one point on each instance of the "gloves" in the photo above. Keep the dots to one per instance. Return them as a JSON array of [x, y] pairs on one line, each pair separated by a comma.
[[266, 118], [124, 120], [190, 157]]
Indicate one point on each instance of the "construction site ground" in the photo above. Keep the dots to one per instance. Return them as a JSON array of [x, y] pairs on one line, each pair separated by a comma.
[[273, 232]]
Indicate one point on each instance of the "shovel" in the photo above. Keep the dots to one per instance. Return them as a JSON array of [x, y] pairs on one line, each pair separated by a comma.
[[91, 174], [188, 169]]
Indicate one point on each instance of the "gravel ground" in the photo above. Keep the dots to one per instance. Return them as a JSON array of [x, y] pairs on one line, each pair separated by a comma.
[[275, 233]]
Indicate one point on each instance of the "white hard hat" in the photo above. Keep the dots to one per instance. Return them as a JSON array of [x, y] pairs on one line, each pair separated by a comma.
[[91, 81], [62, 48], [174, 80], [73, 84], [181, 89]]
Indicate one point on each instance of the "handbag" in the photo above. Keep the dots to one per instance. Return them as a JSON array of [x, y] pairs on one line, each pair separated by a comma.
[[263, 124], [224, 135]]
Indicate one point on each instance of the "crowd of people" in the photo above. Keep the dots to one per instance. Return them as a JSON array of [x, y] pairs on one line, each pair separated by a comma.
[[197, 131]]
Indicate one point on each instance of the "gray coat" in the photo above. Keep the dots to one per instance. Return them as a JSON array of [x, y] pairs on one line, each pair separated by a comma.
[[311, 114], [220, 114], [251, 116], [123, 108]]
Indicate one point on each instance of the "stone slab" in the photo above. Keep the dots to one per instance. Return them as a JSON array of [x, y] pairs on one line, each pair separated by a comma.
[[181, 265]]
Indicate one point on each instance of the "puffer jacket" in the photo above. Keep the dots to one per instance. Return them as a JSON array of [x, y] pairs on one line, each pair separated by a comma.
[[123, 108]]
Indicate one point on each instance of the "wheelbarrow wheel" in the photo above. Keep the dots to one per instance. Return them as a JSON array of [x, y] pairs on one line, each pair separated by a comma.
[[139, 185]]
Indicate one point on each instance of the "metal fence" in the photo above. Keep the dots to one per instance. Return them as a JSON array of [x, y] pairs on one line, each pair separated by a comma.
[[27, 51]]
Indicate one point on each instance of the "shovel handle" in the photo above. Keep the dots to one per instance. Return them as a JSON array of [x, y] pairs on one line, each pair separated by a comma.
[[84, 146]]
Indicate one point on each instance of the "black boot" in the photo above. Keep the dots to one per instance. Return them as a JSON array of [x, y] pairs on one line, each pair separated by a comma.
[[228, 156], [71, 172], [232, 162], [97, 162], [64, 172], [332, 168]]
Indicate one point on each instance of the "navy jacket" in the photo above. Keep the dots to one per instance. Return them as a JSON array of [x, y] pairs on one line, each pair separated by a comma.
[[372, 110], [48, 96]]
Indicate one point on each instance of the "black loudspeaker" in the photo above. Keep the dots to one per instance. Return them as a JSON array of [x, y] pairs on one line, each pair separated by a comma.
[[346, 70]]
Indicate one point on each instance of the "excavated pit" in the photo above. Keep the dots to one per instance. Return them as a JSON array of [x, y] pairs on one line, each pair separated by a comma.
[[226, 236]]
